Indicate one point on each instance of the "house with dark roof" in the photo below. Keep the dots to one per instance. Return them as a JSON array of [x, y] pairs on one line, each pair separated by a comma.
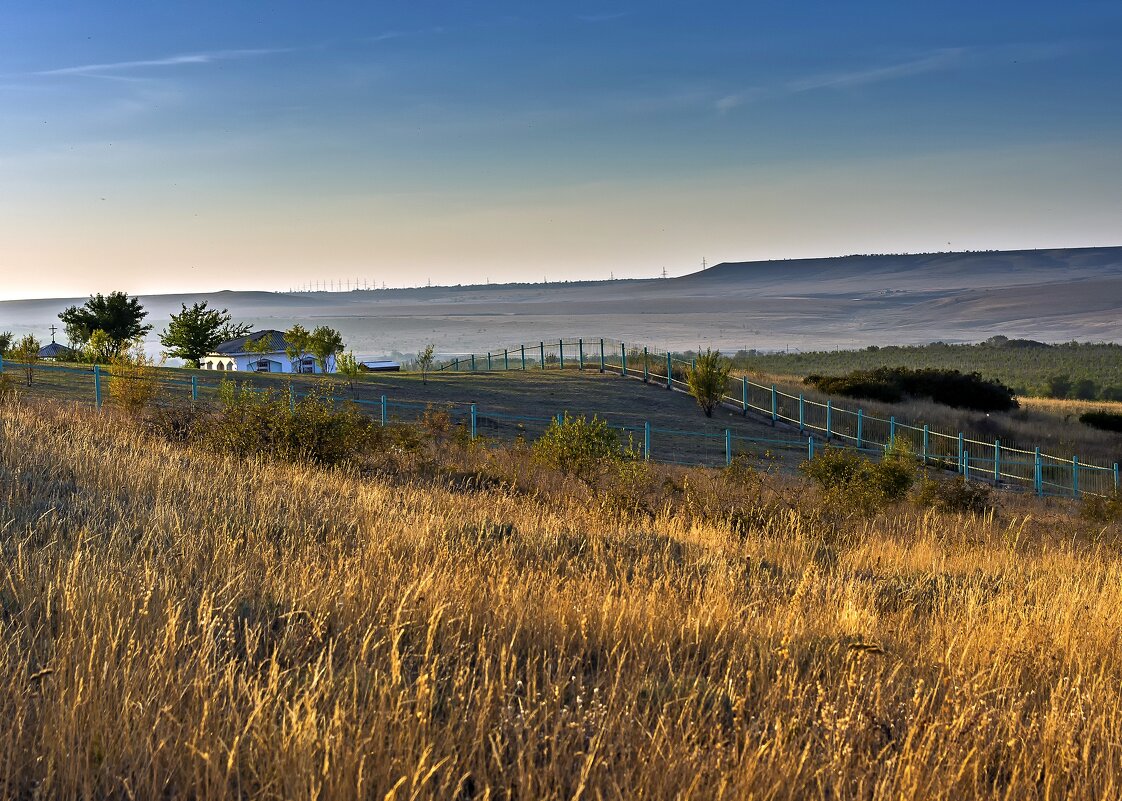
[[260, 352]]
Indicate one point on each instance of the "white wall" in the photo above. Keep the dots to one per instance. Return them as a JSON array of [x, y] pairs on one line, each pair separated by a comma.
[[247, 363]]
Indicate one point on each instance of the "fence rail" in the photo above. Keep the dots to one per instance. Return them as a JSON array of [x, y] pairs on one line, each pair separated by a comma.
[[817, 424], [991, 461]]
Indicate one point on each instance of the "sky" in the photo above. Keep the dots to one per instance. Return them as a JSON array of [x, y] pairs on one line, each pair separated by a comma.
[[183, 146]]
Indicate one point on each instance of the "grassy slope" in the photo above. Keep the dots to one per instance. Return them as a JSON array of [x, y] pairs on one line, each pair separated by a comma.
[[179, 624], [1026, 369]]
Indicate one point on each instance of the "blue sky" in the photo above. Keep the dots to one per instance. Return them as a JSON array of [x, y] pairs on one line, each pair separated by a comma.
[[172, 146]]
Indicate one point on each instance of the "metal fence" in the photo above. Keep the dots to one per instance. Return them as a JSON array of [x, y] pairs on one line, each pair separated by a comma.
[[811, 424], [1043, 473]]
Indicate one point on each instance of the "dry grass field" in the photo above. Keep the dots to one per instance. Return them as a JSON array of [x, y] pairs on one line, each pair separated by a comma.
[[179, 623]]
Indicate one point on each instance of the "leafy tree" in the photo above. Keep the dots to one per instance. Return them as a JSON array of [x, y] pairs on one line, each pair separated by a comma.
[[27, 351], [348, 367], [325, 344], [119, 316], [424, 362], [100, 349], [707, 379], [5, 342], [197, 331], [298, 343], [582, 448]]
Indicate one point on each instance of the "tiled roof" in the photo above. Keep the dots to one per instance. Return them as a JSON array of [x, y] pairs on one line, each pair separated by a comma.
[[234, 346]]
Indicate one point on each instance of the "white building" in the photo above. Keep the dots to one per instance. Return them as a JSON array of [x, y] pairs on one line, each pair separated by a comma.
[[248, 354]]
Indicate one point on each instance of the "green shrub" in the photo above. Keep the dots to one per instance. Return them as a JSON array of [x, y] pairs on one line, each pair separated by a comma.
[[582, 448], [893, 384], [852, 483], [261, 422], [1105, 421], [707, 379], [955, 495]]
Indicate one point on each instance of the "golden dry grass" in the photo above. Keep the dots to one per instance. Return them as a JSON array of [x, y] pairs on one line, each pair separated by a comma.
[[178, 624]]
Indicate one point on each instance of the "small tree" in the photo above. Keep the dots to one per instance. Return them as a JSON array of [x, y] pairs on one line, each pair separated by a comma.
[[424, 361], [348, 367], [99, 348], [298, 343], [27, 352], [197, 331], [133, 378], [708, 378], [576, 446], [324, 345], [5, 342]]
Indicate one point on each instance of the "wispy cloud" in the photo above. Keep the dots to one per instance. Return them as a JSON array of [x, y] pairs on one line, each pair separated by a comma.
[[113, 68], [938, 60]]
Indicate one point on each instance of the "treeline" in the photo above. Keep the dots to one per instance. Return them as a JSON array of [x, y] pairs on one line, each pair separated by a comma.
[[1076, 370], [894, 384]]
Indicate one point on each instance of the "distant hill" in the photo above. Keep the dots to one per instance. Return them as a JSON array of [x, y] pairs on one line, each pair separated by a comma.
[[849, 301]]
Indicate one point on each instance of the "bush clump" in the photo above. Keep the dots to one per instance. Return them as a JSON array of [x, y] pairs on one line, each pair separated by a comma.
[[955, 495], [263, 423], [1104, 421], [894, 384], [852, 483], [582, 448]]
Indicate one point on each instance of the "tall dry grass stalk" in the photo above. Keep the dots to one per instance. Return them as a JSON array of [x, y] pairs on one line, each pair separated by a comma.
[[177, 624]]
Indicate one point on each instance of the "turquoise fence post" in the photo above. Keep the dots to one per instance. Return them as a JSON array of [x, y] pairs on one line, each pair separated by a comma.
[[291, 398], [961, 453], [560, 418], [891, 429], [473, 362], [669, 371], [384, 405], [601, 354], [488, 361], [1038, 473], [1116, 487], [646, 367], [997, 461], [860, 426], [774, 405], [810, 448], [1, 365], [647, 440], [802, 413], [97, 386], [580, 354], [829, 420], [1075, 476], [744, 395], [966, 464], [523, 357], [541, 346], [506, 359], [623, 360], [728, 447], [194, 387], [473, 413], [926, 439], [561, 352]]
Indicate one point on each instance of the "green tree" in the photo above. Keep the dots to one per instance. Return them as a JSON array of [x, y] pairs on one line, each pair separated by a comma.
[[197, 331], [424, 361], [326, 344], [348, 367], [119, 316], [707, 379], [298, 343], [5, 342], [100, 349], [27, 352]]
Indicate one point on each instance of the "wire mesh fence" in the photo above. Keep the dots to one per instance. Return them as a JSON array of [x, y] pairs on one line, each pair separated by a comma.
[[808, 424], [994, 461]]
